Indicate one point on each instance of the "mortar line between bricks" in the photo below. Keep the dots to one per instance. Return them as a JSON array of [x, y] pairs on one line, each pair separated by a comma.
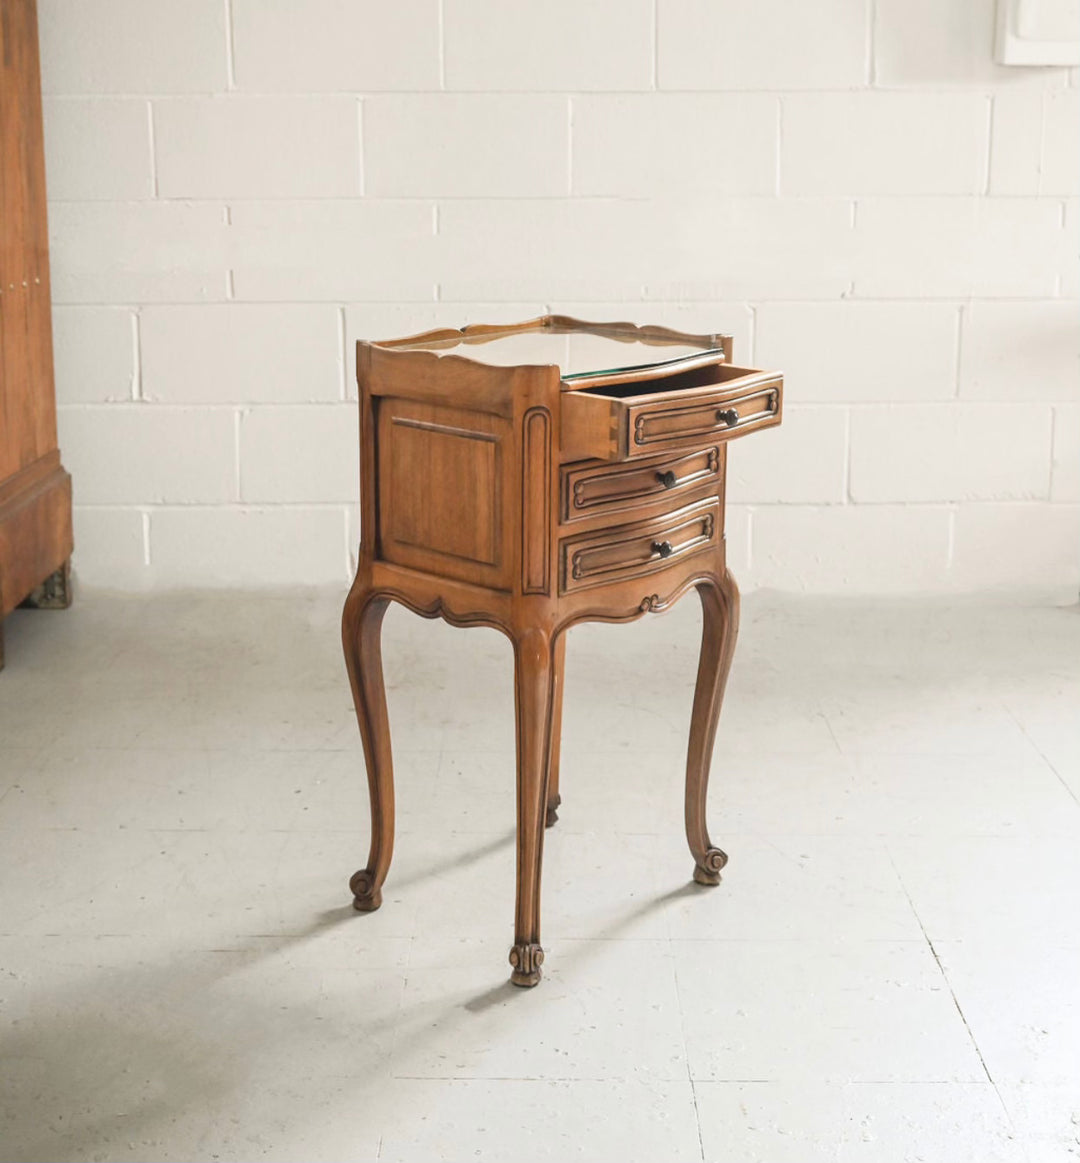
[[603, 301], [989, 155], [702, 198], [136, 358], [948, 93], [230, 54], [153, 149]]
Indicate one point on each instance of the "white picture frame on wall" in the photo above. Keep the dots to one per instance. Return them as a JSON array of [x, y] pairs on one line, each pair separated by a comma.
[[1038, 32]]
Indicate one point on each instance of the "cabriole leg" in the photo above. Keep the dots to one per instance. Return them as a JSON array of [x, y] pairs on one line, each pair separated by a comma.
[[361, 627], [720, 625], [535, 693]]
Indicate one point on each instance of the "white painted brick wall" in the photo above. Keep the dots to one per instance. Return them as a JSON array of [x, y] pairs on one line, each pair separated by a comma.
[[936, 45], [466, 145], [891, 143], [111, 545], [239, 190], [79, 132], [630, 144], [138, 252], [334, 250], [328, 46], [949, 452], [299, 454], [247, 546], [241, 352], [999, 248], [877, 351], [257, 147], [127, 454], [131, 46], [561, 45], [1065, 473], [1021, 351], [1005, 546], [762, 44], [94, 354], [886, 549], [801, 461], [1060, 144]]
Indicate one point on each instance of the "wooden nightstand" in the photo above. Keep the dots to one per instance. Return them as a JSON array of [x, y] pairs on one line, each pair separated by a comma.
[[528, 477]]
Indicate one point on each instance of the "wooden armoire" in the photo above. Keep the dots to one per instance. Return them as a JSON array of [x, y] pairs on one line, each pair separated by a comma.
[[35, 491]]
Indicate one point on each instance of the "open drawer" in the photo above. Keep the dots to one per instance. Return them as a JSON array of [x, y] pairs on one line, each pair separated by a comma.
[[625, 418]]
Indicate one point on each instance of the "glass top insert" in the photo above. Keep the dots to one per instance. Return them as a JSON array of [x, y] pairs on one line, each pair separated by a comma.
[[578, 351]]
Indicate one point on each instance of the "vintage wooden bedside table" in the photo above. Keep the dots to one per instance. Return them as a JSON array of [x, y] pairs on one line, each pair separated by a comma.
[[528, 477]]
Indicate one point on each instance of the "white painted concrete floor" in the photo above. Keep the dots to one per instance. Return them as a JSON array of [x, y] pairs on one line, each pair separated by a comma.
[[890, 969]]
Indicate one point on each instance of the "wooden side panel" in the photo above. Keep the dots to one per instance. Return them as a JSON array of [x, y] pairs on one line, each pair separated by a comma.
[[442, 490]]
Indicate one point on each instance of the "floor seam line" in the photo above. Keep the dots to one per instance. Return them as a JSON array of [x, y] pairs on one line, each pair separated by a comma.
[[956, 1001], [1041, 754]]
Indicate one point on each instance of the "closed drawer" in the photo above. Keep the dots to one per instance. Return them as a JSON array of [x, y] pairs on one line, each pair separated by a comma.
[[629, 551], [594, 490], [622, 420]]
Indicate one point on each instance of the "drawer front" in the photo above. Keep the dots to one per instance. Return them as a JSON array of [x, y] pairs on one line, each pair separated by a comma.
[[600, 489], [648, 417], [652, 426], [630, 551]]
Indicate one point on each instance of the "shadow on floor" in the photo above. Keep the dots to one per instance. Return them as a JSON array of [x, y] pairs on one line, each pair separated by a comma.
[[137, 1055]]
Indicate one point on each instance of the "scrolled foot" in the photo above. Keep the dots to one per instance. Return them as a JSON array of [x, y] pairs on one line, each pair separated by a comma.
[[526, 960], [552, 811], [708, 872], [366, 896]]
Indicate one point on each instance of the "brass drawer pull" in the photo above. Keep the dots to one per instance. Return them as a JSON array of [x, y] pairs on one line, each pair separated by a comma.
[[664, 548], [728, 416], [667, 479]]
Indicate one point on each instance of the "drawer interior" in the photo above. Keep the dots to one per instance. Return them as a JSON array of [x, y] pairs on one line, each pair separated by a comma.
[[701, 377]]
